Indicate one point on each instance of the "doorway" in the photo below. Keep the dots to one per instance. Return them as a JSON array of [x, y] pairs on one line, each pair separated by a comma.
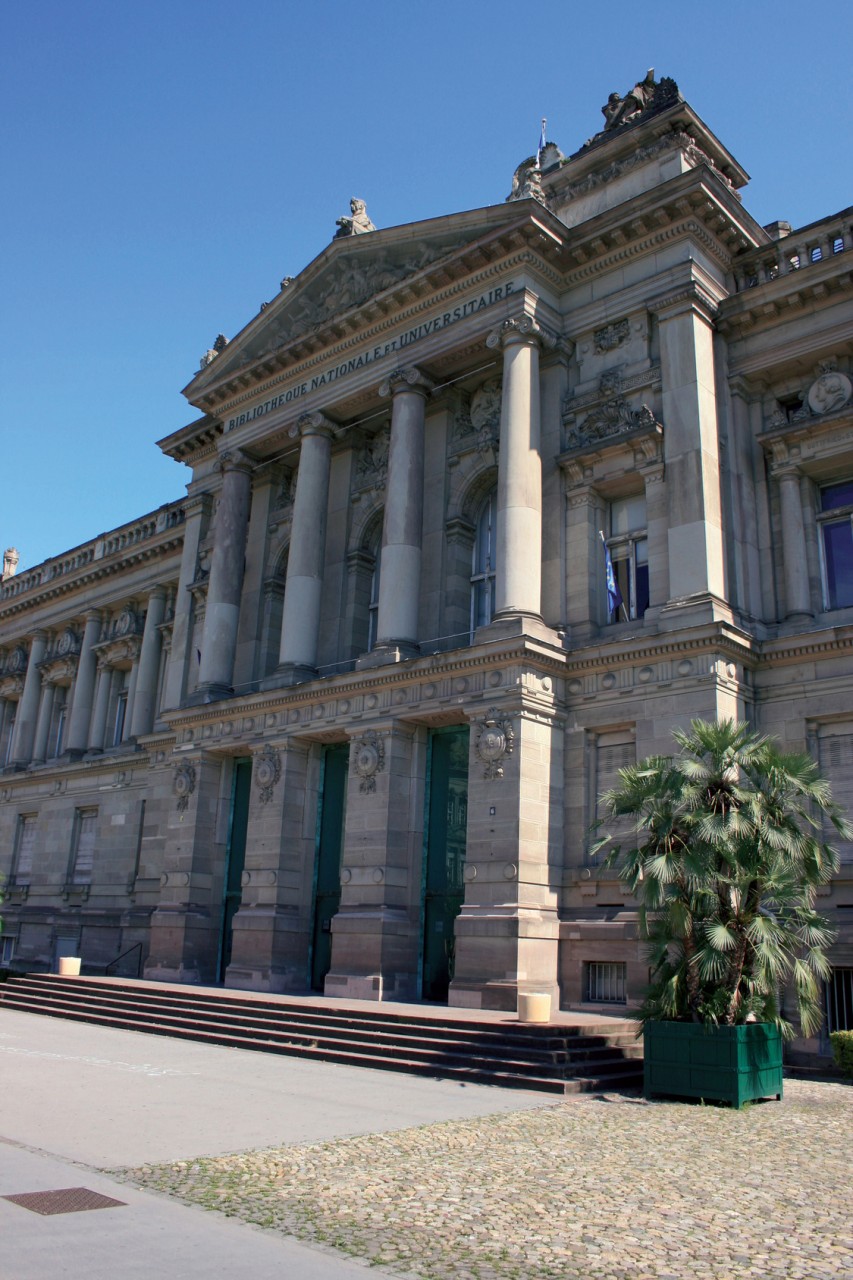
[[235, 859], [330, 840], [444, 864]]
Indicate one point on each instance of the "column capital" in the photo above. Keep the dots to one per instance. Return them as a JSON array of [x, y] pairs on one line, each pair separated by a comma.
[[408, 379], [235, 460], [313, 424], [523, 328]]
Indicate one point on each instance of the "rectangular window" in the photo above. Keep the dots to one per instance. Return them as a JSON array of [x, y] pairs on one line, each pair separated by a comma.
[[24, 848], [59, 740], [608, 753], [839, 1001], [605, 983], [83, 859], [7, 949], [836, 522], [629, 550]]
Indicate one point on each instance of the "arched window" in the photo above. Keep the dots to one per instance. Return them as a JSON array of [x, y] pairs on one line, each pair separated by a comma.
[[483, 564], [373, 607]]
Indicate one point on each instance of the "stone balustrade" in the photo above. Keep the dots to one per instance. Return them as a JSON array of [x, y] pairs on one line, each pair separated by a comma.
[[798, 250]]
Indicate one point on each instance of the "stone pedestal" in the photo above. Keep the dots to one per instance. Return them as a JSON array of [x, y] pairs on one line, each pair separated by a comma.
[[507, 934], [272, 929], [375, 935]]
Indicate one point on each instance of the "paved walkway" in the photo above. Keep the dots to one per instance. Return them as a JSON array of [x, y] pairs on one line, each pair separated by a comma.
[[418, 1178]]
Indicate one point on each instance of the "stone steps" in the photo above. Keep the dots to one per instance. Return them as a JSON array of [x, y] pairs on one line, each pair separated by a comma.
[[554, 1058]]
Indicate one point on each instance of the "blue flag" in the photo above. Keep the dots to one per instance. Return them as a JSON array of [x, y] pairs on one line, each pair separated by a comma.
[[614, 595]]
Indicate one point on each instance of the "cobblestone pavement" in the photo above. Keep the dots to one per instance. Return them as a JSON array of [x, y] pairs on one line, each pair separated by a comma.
[[609, 1187]]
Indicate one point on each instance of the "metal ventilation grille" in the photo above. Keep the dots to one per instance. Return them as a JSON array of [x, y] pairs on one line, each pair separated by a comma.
[[68, 1200]]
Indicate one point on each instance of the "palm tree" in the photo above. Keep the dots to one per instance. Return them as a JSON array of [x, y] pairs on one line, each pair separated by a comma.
[[728, 858]]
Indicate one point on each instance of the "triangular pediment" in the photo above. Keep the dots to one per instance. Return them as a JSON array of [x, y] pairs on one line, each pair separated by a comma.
[[352, 281]]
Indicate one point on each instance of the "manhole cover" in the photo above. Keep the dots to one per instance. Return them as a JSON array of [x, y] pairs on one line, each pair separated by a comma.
[[68, 1200]]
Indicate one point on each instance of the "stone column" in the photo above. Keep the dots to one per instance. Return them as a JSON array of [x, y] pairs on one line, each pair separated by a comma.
[[797, 594], [583, 550], [300, 623], [222, 611], [76, 739], [197, 511], [518, 581], [691, 445], [28, 707], [145, 694], [98, 730], [402, 530], [48, 692]]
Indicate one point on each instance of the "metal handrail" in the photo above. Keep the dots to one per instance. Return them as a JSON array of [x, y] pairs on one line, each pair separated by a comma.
[[137, 946]]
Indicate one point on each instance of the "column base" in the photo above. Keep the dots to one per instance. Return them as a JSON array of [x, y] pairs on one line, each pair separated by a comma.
[[508, 625], [209, 693], [387, 652], [289, 673]]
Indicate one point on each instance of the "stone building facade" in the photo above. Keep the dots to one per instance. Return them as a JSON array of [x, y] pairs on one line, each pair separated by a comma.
[[340, 718]]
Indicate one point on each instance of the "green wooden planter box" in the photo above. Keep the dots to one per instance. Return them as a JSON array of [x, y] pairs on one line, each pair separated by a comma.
[[721, 1064]]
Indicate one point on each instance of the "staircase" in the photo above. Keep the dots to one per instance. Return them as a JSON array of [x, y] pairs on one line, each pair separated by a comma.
[[556, 1058]]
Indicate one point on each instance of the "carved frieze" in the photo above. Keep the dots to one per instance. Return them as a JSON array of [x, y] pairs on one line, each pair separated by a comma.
[[267, 773], [368, 760], [495, 742], [613, 416], [611, 336]]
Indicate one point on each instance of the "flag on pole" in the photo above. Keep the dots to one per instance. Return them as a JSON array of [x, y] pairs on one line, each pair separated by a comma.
[[614, 595], [541, 145]]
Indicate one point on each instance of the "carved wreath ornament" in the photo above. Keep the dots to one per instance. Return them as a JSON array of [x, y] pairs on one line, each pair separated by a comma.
[[267, 773], [184, 783], [368, 760], [495, 743]]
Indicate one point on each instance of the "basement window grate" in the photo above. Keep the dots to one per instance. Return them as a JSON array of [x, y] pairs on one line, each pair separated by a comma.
[[66, 1200], [839, 1001], [605, 983]]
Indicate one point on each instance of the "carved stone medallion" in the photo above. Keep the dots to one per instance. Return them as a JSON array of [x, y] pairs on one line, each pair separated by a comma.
[[368, 759], [183, 784], [829, 392], [495, 743], [611, 336], [267, 773]]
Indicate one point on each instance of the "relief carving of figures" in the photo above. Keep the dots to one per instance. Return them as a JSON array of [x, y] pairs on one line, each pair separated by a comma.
[[613, 418], [368, 760], [495, 743], [357, 223], [486, 414], [372, 467], [183, 784], [611, 336], [267, 773]]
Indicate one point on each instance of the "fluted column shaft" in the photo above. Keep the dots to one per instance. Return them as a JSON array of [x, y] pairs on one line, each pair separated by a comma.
[[222, 610], [518, 578], [300, 626], [28, 708], [797, 593], [98, 732], [145, 695], [84, 687], [402, 532]]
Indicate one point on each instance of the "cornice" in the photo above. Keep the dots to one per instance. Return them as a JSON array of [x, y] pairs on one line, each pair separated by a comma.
[[644, 649]]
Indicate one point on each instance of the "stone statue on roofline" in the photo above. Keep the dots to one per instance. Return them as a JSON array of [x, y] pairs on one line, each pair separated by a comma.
[[648, 94], [357, 223]]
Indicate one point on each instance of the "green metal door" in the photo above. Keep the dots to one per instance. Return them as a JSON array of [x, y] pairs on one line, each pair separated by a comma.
[[235, 859], [330, 839], [446, 827]]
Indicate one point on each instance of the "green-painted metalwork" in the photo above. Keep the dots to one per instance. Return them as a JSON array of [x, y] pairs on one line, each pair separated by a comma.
[[330, 838], [719, 1064], [445, 837], [235, 858]]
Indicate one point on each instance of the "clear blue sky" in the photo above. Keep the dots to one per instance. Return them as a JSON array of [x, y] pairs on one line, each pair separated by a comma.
[[165, 164]]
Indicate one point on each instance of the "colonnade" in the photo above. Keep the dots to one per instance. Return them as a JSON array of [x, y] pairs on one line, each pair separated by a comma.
[[518, 590]]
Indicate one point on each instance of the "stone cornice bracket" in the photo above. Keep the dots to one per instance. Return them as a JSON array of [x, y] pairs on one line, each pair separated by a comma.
[[522, 328], [692, 297], [313, 424], [408, 379], [235, 460]]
